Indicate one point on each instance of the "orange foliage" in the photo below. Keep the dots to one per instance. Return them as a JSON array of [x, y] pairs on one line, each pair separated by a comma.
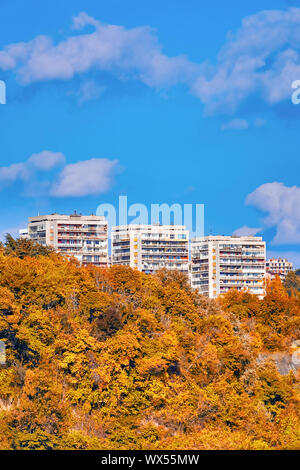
[[116, 359]]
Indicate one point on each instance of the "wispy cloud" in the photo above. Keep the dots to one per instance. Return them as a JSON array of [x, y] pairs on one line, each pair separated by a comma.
[[235, 124], [127, 53], [16, 171], [89, 90], [87, 177], [46, 160], [246, 231], [281, 204], [261, 57], [42, 161]]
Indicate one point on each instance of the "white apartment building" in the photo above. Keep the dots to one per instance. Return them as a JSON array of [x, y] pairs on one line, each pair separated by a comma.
[[23, 233], [220, 263], [278, 267], [82, 236], [151, 247]]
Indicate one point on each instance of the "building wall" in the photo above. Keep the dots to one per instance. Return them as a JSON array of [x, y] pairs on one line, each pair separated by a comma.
[[151, 247], [278, 267], [217, 263], [220, 263], [84, 237]]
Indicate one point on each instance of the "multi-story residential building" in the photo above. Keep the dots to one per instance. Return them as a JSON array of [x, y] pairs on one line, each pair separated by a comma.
[[23, 233], [278, 267], [220, 263], [82, 236], [151, 247]]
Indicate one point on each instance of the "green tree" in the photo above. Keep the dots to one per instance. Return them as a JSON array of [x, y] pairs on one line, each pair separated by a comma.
[[22, 247]]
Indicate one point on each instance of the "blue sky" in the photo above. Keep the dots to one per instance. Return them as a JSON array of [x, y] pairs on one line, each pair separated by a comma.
[[173, 101]]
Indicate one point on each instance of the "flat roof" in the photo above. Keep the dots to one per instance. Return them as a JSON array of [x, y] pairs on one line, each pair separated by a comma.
[[68, 217]]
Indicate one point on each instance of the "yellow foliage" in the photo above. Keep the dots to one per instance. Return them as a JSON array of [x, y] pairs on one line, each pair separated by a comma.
[[117, 359]]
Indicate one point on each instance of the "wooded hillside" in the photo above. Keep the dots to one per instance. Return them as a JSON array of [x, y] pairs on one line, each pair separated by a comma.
[[116, 359]]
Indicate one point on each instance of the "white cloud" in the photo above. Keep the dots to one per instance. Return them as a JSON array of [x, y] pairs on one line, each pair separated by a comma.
[[89, 90], [14, 172], [246, 231], [133, 53], [262, 57], [282, 206], [46, 159], [83, 19], [85, 178], [42, 161], [235, 124]]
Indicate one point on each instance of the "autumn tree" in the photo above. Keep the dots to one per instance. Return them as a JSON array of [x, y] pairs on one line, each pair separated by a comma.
[[117, 359], [22, 247]]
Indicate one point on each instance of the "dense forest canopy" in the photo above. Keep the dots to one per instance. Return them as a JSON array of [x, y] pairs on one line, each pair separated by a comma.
[[117, 359]]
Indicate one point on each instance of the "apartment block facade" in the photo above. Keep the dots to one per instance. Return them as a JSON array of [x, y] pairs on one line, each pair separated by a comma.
[[151, 247], [220, 263], [278, 267], [84, 237]]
